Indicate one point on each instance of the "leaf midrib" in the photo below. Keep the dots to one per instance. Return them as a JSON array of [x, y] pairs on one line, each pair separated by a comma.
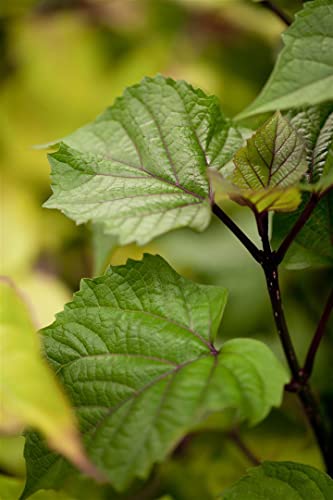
[[141, 169], [207, 343], [110, 354]]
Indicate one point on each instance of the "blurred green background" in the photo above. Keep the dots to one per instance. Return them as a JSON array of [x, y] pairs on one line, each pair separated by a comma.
[[62, 62]]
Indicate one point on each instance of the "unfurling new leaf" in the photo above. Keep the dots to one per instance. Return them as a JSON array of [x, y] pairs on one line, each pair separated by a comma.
[[267, 170], [136, 352]]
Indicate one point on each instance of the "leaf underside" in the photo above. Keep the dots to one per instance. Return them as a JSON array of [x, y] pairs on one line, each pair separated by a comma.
[[303, 74], [315, 126], [313, 246], [140, 169], [135, 352]]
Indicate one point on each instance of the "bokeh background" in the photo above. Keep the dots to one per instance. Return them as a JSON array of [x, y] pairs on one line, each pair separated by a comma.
[[62, 62]]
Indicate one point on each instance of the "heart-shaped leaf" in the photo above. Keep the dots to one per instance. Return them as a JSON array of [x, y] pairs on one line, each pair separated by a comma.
[[140, 169], [135, 351], [303, 74], [282, 481]]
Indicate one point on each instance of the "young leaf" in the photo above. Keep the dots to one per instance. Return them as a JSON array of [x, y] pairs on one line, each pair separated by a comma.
[[282, 481], [135, 351], [267, 170], [303, 74], [27, 382], [140, 168]]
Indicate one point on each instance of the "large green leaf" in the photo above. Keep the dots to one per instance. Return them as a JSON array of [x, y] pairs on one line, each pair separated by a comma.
[[314, 244], [282, 481], [303, 74], [268, 169], [135, 351], [140, 168]]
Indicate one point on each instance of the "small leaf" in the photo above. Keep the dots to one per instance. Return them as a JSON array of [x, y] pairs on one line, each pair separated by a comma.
[[135, 351], [303, 74], [282, 481], [268, 169], [27, 382], [141, 168]]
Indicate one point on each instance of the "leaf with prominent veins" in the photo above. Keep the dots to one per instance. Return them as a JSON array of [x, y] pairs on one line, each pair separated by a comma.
[[268, 169], [315, 125], [323, 155], [314, 243], [303, 74], [135, 351], [140, 168]]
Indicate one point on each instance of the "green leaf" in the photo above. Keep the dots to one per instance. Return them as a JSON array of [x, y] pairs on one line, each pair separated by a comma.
[[26, 380], [315, 125], [140, 168], [135, 351], [313, 246], [273, 157], [303, 74], [268, 169], [282, 481], [324, 156]]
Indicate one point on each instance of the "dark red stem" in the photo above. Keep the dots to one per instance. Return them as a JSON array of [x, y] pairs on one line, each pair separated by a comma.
[[269, 261], [227, 221], [319, 333], [277, 11], [299, 224], [242, 446]]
